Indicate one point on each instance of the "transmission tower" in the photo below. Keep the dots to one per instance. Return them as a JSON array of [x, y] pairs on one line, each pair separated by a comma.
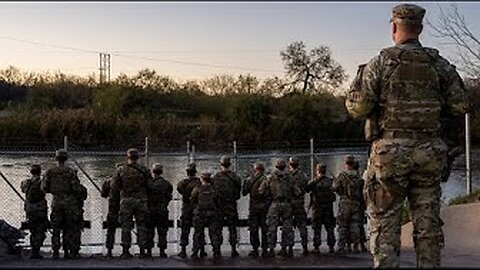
[[104, 67]]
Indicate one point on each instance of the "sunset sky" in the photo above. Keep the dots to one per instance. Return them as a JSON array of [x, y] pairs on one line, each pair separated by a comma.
[[191, 40]]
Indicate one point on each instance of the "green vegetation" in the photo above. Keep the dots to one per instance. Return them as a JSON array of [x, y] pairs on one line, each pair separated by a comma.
[[463, 199]]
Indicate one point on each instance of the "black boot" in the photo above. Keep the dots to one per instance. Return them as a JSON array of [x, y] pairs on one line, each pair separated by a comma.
[[162, 253], [331, 249], [356, 248], [264, 252], [316, 250], [363, 248], [126, 253], [66, 254], [305, 250], [283, 252], [36, 253], [109, 253], [216, 253], [203, 254], [194, 254], [75, 254], [144, 253], [253, 253], [183, 253], [234, 251], [56, 254], [290, 252]]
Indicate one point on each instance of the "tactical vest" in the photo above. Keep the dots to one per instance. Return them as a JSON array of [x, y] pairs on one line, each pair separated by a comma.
[[186, 187], [61, 179], [322, 192], [206, 198], [134, 181], [280, 186], [159, 193], [410, 98], [35, 193]]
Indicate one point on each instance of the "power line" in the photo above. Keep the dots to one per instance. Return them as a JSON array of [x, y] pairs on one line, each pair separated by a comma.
[[50, 45]]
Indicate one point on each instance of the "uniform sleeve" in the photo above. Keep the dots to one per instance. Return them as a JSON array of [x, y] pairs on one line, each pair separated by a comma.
[[45, 185], [182, 187], [246, 186], [264, 187], [363, 93], [25, 185], [194, 196], [454, 98], [310, 185], [169, 192], [337, 184], [116, 183]]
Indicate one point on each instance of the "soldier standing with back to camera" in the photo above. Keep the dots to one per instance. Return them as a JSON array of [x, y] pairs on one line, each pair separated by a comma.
[[133, 181], [62, 182], [322, 199], [298, 203], [258, 209], [229, 186], [404, 93], [112, 215], [36, 210], [185, 188], [159, 197], [80, 197]]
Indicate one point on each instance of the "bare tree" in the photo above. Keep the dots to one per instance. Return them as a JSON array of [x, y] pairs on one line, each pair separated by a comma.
[[452, 28], [314, 71]]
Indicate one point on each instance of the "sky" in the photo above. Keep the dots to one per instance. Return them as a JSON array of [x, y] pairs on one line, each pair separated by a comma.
[[196, 40]]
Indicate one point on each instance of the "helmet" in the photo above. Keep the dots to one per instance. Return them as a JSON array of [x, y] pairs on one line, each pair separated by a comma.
[[61, 153], [350, 159], [321, 165], [280, 163], [191, 167], [293, 160], [225, 160], [35, 169], [132, 153], [259, 165], [157, 168], [205, 175]]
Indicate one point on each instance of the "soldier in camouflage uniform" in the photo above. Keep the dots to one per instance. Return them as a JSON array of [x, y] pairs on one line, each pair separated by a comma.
[[322, 198], [112, 215], [36, 210], [407, 89], [80, 196], [206, 213], [133, 181], [229, 186], [282, 190], [159, 197], [185, 188], [349, 187], [298, 203], [258, 209], [62, 182], [363, 235]]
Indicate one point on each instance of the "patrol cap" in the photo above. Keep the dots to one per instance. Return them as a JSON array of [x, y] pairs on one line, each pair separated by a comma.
[[293, 160], [259, 165], [35, 168], [118, 164], [280, 163], [205, 175], [321, 165], [132, 153], [409, 14], [156, 167], [61, 153], [350, 159], [191, 167], [225, 160]]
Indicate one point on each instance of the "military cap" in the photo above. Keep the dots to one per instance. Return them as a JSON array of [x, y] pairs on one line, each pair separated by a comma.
[[132, 153], [321, 165], [157, 167], [191, 167], [205, 175], [349, 159], [225, 160], [35, 169], [408, 14], [293, 160], [61, 153], [259, 165], [280, 163]]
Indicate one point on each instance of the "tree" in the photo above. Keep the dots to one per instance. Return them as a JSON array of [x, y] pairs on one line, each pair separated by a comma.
[[246, 84], [452, 27], [219, 85], [314, 71]]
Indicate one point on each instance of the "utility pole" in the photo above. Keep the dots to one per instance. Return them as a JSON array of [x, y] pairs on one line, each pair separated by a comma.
[[104, 68]]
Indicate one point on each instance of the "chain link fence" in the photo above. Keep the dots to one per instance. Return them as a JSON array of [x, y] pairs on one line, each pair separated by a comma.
[[97, 163]]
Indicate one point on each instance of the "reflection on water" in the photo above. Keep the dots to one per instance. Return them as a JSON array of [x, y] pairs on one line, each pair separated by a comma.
[[16, 168]]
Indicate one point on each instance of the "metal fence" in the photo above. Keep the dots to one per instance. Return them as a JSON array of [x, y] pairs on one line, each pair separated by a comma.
[[96, 164]]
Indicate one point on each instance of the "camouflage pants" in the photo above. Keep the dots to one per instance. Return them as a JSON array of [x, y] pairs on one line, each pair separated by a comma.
[[64, 220], [257, 221], [159, 222], [323, 216], [112, 222], [134, 207], [186, 224], [399, 169], [37, 218], [211, 221], [349, 219], [230, 219], [300, 220], [280, 211], [77, 230]]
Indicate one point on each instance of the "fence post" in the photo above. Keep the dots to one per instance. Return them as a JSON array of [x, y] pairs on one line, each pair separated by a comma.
[[193, 152], [188, 152], [146, 153], [65, 143], [235, 156], [312, 166], [467, 153]]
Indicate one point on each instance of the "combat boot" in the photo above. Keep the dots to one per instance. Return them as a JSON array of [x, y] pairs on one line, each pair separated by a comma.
[[270, 253], [203, 254], [341, 250], [356, 248], [56, 254], [194, 254], [35, 253], [183, 253], [75, 254], [349, 248], [126, 253], [316, 250], [109, 253], [144, 253], [290, 252], [216, 253], [66, 254], [331, 249], [253, 253], [264, 252], [305, 250], [234, 251], [283, 252], [363, 248], [162, 253]]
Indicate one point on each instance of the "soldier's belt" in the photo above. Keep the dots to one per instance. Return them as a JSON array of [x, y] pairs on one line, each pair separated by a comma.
[[412, 135], [25, 225]]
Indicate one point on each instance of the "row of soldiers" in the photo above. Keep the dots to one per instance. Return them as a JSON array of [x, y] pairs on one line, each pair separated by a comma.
[[210, 202]]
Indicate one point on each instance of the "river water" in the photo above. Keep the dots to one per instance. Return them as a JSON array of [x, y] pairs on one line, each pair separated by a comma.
[[15, 167]]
